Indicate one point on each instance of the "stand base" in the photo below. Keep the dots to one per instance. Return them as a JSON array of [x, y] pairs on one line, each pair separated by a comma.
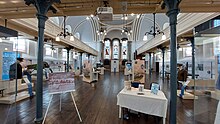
[[186, 95], [38, 121]]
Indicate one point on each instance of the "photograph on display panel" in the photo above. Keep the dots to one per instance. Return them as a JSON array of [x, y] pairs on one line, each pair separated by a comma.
[[139, 71]]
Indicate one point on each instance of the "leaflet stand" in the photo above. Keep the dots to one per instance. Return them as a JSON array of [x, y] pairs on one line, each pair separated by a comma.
[[74, 102]]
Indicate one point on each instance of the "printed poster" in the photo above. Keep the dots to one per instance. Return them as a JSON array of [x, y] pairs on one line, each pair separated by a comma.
[[61, 82], [9, 58]]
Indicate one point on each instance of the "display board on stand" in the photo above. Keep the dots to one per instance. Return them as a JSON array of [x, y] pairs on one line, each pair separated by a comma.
[[60, 83], [139, 71], [89, 73], [128, 71]]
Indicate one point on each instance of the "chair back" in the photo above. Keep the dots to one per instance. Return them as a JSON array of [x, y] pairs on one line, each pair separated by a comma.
[[135, 84]]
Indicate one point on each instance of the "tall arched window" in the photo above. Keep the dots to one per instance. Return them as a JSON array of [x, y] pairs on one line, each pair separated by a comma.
[[77, 35], [124, 49], [107, 50], [55, 20], [115, 49]]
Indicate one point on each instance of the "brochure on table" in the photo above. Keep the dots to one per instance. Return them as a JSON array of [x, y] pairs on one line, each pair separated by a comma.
[[154, 88]]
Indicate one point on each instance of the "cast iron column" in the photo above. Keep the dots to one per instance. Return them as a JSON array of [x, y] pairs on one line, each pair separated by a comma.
[[42, 7], [150, 63], [68, 59], [89, 57], [80, 62], [163, 52], [129, 50], [173, 10], [193, 57]]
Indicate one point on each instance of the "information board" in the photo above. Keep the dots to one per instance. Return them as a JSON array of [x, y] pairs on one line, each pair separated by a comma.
[[8, 59], [61, 82]]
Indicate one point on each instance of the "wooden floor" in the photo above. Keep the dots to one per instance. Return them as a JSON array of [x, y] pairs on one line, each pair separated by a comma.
[[98, 105]]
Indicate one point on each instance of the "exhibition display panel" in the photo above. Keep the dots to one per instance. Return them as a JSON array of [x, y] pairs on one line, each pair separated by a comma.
[[89, 73], [207, 65], [138, 71]]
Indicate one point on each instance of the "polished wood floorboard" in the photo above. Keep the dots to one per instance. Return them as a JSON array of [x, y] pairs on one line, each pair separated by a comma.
[[98, 105]]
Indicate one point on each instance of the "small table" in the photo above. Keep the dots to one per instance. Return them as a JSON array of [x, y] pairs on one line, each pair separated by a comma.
[[148, 103]]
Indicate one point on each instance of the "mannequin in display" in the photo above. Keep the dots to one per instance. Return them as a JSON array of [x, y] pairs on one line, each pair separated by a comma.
[[12, 71], [16, 68], [27, 72], [181, 76]]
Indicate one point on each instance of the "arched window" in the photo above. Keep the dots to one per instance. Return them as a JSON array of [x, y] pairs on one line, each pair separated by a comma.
[[124, 49], [77, 35], [55, 20], [107, 50], [115, 49], [69, 28]]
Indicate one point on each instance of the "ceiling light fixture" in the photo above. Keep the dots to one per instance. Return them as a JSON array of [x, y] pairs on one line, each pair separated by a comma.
[[65, 32], [125, 29], [0, 40], [101, 31], [154, 31]]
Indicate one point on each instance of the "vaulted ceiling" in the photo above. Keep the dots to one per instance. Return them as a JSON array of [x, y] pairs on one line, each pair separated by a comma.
[[18, 9]]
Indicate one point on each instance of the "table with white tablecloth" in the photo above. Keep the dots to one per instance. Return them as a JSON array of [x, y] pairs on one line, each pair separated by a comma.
[[147, 103]]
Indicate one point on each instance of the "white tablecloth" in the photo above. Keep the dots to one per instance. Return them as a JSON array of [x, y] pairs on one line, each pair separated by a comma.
[[148, 103], [217, 117]]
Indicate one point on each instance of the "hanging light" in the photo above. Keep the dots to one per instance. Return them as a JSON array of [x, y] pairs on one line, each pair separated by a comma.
[[154, 31], [65, 32], [101, 32], [126, 18], [71, 38], [145, 38], [57, 38], [125, 30], [163, 37]]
